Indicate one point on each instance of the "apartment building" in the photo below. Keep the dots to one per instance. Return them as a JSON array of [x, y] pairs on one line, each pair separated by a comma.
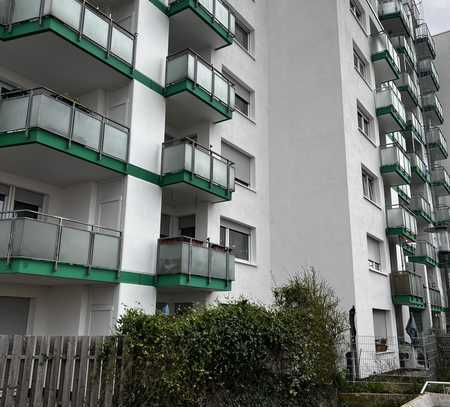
[[167, 154]]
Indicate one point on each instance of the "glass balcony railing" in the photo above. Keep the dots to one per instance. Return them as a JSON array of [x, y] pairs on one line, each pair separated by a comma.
[[425, 253], [187, 161], [390, 109], [404, 192], [442, 215], [443, 241], [187, 71], [38, 236], [419, 167], [437, 144], [425, 46], [395, 17], [401, 44], [428, 75], [401, 222], [406, 84], [385, 58], [190, 259], [43, 109], [435, 299], [440, 180], [421, 208], [415, 127], [432, 109], [395, 165], [82, 17], [407, 288]]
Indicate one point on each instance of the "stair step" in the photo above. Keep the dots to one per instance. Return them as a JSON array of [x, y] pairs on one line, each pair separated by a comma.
[[374, 399], [383, 387]]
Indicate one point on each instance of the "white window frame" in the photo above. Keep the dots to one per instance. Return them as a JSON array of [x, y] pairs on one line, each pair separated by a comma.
[[357, 10], [360, 64], [369, 184], [239, 83], [242, 22], [364, 123], [373, 265], [251, 162], [242, 228]]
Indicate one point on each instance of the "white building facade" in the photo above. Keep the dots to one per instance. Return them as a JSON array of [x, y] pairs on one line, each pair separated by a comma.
[[161, 156]]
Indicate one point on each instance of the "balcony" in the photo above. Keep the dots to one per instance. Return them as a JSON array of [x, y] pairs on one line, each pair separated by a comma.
[[432, 109], [415, 127], [409, 90], [422, 209], [407, 289], [390, 110], [53, 138], [442, 216], [408, 248], [443, 244], [395, 165], [401, 223], [200, 24], [190, 263], [395, 17], [428, 76], [437, 144], [404, 193], [87, 49], [196, 92], [420, 170], [42, 245], [425, 254], [425, 46], [440, 181], [436, 302], [385, 58], [190, 171], [401, 44]]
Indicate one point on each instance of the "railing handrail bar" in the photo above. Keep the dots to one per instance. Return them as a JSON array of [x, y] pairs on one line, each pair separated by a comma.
[[67, 99], [60, 218], [431, 382], [187, 239]]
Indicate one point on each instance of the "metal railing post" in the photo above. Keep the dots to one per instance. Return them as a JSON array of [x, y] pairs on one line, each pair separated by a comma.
[[91, 249], [213, 85], [119, 257], [72, 124], [193, 159], [190, 261], [227, 266], [41, 11], [11, 241], [228, 177], [133, 57], [109, 39], [102, 138], [82, 14], [29, 111], [195, 67], [10, 16], [211, 168], [58, 244], [214, 10], [209, 260]]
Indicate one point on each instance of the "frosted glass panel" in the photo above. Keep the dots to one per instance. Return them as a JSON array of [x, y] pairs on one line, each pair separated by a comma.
[[221, 88], [174, 157], [177, 69], [5, 231], [96, 28], [25, 10], [74, 246], [170, 258], [106, 251], [199, 261], [122, 45], [34, 239], [86, 130], [115, 142], [67, 11], [204, 76], [222, 13], [207, 4], [202, 164], [13, 114], [395, 218], [220, 172], [389, 156], [50, 114]]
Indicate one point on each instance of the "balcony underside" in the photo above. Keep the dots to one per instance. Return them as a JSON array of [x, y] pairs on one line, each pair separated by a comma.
[[185, 187], [53, 54], [395, 24], [50, 158], [189, 105], [389, 120], [410, 301], [425, 260], [428, 84], [193, 27], [384, 66], [393, 175], [430, 113], [401, 232], [182, 281], [31, 271]]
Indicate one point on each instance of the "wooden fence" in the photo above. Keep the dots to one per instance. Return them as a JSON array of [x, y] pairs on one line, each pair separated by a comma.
[[42, 371]]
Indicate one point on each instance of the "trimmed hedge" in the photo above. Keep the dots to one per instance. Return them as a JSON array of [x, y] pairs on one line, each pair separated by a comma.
[[239, 354]]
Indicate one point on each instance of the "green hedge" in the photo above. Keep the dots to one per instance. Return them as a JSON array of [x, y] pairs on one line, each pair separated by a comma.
[[239, 354]]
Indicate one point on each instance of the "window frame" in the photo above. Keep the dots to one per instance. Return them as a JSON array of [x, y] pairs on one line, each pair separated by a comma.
[[358, 62], [238, 83], [251, 183], [227, 225], [356, 8], [369, 184], [373, 264]]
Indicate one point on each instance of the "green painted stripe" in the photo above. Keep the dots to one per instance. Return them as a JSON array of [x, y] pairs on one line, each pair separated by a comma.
[[391, 111], [52, 24], [19, 266], [409, 300], [385, 55], [395, 168], [400, 231], [198, 282], [61, 144]]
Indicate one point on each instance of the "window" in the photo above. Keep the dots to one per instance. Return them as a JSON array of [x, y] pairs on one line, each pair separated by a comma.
[[28, 202], [242, 35], [237, 238], [374, 254], [357, 10], [363, 123], [186, 224], [243, 96], [380, 326], [242, 163], [360, 64], [369, 186]]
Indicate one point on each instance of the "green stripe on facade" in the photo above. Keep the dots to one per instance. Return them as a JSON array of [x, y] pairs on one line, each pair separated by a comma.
[[385, 55], [391, 111], [52, 24], [183, 280], [38, 268], [403, 232]]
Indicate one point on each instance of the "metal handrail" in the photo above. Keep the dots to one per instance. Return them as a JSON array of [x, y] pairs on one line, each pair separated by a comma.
[[422, 391]]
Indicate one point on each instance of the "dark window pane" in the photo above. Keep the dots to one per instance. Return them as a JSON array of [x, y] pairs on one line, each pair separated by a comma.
[[223, 238], [241, 104], [25, 207], [241, 35], [239, 243]]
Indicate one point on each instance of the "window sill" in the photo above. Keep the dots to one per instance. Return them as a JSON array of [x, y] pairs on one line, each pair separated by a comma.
[[368, 138], [245, 263], [373, 203], [246, 187], [245, 116], [386, 352], [380, 272], [246, 51]]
